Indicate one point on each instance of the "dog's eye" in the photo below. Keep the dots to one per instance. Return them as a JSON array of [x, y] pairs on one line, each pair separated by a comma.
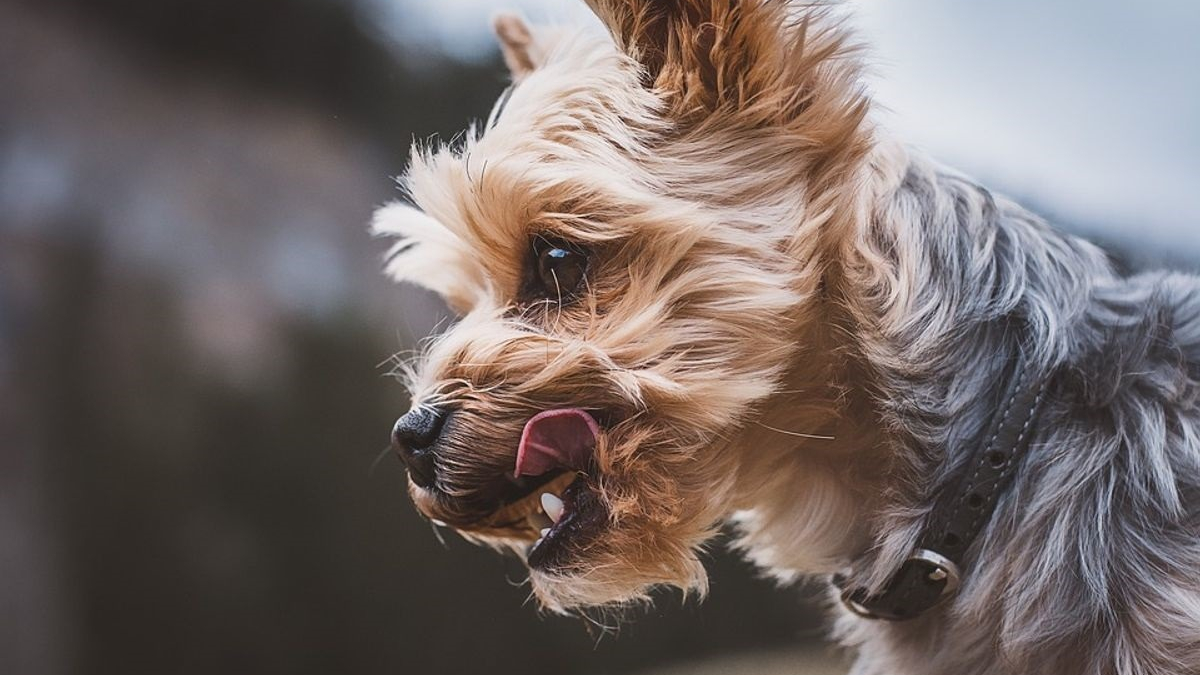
[[559, 268]]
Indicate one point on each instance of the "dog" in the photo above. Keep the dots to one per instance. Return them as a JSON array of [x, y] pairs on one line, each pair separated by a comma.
[[700, 286]]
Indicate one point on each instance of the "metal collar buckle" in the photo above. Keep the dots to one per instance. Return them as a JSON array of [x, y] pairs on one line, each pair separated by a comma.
[[939, 568]]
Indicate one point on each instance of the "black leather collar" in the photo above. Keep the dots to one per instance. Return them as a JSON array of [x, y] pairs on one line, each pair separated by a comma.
[[931, 573]]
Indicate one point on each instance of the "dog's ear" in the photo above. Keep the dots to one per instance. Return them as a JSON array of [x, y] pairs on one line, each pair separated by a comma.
[[522, 52], [764, 57], [428, 254]]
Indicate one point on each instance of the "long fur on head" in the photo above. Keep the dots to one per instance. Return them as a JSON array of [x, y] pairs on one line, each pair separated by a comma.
[[695, 157]]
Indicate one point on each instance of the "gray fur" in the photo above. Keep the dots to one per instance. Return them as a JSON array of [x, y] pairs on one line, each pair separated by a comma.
[[1091, 564]]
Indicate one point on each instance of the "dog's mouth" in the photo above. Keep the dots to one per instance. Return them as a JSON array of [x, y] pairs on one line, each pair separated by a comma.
[[549, 493]]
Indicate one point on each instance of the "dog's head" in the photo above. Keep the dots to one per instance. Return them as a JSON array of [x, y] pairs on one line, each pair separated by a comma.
[[632, 241]]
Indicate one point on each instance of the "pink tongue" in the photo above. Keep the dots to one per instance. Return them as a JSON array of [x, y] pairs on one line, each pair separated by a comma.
[[556, 439]]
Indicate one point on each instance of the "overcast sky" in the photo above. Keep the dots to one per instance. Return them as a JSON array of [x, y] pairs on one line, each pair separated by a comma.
[[1089, 107]]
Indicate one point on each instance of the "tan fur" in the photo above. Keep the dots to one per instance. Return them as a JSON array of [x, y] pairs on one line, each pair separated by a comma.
[[692, 324], [707, 192]]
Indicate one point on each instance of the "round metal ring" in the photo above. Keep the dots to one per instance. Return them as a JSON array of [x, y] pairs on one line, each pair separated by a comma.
[[943, 565], [855, 608]]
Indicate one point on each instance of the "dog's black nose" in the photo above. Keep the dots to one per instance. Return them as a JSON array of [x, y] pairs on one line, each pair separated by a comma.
[[413, 438]]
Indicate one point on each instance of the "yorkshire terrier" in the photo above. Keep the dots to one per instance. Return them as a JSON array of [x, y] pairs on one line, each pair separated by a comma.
[[700, 286]]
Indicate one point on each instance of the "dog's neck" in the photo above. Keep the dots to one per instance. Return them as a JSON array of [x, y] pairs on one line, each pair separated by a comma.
[[811, 465], [899, 365], [816, 464]]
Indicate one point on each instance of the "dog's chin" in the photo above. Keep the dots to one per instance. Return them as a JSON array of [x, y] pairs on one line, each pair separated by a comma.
[[589, 558], [553, 526], [617, 567]]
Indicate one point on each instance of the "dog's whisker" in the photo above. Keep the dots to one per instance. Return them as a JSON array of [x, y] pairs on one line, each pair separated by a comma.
[[437, 533], [378, 459], [797, 434]]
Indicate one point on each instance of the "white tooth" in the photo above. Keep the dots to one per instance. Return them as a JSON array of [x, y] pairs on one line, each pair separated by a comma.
[[545, 531], [552, 505]]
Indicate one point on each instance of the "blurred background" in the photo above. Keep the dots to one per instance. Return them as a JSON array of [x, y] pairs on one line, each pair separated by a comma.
[[194, 336]]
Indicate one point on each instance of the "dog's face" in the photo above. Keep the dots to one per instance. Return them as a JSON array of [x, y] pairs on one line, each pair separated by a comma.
[[622, 241]]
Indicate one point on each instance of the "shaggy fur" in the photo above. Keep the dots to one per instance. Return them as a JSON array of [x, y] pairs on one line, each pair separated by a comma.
[[795, 324]]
